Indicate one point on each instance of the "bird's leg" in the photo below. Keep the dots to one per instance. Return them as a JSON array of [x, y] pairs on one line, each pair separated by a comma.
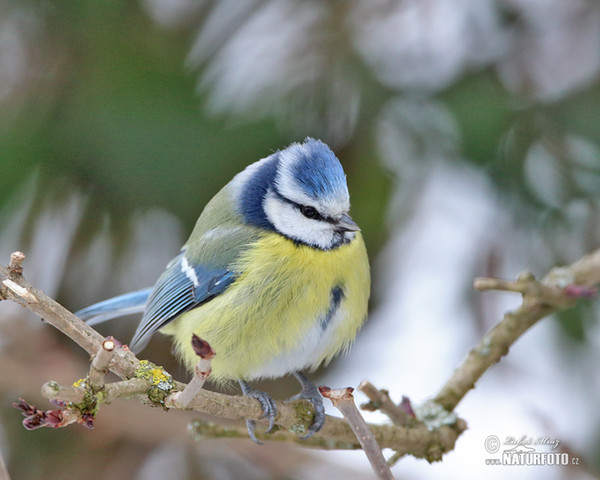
[[268, 406], [311, 393]]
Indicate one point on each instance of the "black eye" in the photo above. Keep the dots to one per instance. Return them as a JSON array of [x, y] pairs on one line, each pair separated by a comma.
[[308, 212]]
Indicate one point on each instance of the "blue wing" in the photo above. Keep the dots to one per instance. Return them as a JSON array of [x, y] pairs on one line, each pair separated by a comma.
[[199, 273], [133, 302], [182, 287]]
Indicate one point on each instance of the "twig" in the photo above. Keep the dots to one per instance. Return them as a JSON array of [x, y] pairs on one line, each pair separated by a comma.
[[584, 272], [381, 400], [527, 286], [61, 417], [393, 460], [558, 289], [337, 435], [52, 390], [16, 263], [19, 291], [100, 363], [343, 400], [200, 429], [126, 389], [201, 372]]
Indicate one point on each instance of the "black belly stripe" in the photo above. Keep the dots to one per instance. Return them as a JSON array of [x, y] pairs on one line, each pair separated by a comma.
[[336, 295]]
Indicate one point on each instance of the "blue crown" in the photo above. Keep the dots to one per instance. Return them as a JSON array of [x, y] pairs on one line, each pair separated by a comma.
[[318, 171]]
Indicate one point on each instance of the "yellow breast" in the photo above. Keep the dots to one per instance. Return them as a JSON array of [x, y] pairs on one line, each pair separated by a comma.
[[270, 321]]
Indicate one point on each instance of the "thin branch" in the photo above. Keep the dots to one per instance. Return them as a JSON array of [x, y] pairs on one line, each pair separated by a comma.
[[201, 429], [584, 272], [201, 372], [52, 390], [343, 400], [380, 400], [16, 263], [133, 387], [100, 363], [126, 389], [526, 285], [18, 290], [60, 417], [559, 289]]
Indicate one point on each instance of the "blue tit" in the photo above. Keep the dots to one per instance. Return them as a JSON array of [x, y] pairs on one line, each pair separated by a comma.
[[275, 276]]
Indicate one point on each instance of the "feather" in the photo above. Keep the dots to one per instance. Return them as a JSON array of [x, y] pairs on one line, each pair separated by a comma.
[[182, 287], [132, 302]]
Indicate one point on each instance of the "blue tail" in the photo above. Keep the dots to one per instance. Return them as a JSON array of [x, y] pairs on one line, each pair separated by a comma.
[[132, 302]]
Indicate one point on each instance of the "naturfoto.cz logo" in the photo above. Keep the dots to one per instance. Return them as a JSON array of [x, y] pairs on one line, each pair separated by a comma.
[[525, 451]]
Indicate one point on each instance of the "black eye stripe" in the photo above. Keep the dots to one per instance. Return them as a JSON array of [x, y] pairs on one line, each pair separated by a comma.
[[304, 208], [301, 207]]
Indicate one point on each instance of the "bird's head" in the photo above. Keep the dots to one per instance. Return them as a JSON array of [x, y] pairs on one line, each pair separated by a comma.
[[299, 192]]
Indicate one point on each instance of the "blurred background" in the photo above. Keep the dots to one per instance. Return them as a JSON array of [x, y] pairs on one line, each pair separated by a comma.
[[470, 136]]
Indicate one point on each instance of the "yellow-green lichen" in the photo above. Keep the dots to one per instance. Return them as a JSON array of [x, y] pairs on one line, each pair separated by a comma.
[[304, 417], [80, 383], [161, 383], [101, 396], [92, 399]]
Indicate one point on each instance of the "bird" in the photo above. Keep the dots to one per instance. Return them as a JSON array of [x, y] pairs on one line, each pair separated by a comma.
[[274, 276]]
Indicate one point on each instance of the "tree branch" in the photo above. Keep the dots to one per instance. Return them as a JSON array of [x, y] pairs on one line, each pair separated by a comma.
[[100, 363], [151, 385], [343, 400], [380, 400], [429, 436], [559, 289], [201, 373]]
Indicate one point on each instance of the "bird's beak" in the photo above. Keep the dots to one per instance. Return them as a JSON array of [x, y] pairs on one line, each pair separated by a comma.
[[346, 224]]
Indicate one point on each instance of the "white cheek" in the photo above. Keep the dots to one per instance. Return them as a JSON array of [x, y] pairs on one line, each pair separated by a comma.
[[288, 220]]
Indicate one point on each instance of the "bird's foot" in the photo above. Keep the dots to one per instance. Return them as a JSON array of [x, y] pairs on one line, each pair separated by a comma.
[[268, 407], [311, 393]]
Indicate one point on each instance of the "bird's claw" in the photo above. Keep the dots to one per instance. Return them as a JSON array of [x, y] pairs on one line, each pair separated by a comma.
[[311, 393], [269, 409]]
